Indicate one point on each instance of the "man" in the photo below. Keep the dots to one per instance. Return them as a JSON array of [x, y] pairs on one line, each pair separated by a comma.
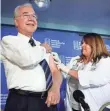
[[22, 56]]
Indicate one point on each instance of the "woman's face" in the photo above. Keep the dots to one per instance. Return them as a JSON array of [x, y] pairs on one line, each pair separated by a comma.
[[86, 49]]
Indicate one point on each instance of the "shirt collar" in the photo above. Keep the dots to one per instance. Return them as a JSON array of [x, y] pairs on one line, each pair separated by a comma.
[[26, 38], [23, 36]]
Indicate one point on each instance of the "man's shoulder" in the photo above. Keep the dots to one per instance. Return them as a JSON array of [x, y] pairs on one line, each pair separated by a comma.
[[9, 38]]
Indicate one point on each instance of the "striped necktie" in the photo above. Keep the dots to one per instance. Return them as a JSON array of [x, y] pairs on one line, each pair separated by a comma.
[[32, 43], [47, 72]]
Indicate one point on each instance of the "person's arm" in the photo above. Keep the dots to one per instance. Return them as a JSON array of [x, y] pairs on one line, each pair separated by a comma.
[[92, 78], [54, 92], [22, 55], [71, 65], [68, 71], [56, 74]]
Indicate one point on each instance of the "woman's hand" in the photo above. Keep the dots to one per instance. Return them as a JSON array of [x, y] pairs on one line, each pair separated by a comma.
[[63, 68]]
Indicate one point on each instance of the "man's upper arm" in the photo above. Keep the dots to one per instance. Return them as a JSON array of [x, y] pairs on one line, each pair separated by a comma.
[[19, 54], [52, 65]]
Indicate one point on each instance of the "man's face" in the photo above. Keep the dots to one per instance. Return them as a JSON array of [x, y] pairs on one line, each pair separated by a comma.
[[26, 21]]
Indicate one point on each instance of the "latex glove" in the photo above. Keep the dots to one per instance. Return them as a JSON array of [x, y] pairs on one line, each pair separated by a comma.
[[56, 58], [63, 68]]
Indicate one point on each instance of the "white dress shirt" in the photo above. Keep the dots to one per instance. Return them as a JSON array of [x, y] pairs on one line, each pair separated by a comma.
[[21, 62]]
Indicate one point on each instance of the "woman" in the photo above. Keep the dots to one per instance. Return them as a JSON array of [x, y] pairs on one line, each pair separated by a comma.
[[91, 71]]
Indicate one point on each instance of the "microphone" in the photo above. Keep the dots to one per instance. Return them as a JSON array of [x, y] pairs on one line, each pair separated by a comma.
[[79, 97]]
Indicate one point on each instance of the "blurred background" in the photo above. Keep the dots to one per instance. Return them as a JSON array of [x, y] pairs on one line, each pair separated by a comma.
[[69, 15]]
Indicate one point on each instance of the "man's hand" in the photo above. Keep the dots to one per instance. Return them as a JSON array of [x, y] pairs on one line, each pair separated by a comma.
[[47, 47], [53, 97], [63, 68]]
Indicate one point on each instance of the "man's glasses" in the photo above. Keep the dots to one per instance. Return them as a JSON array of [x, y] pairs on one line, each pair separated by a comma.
[[25, 16]]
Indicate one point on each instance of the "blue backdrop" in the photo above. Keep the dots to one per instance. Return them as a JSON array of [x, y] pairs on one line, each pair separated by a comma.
[[66, 44]]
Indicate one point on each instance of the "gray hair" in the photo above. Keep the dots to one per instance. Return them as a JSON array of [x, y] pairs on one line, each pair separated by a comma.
[[16, 11]]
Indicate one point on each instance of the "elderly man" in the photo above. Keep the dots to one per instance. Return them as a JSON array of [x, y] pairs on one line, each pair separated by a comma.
[[23, 58]]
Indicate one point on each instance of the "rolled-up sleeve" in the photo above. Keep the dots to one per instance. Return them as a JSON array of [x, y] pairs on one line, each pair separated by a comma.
[[21, 55], [98, 77]]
